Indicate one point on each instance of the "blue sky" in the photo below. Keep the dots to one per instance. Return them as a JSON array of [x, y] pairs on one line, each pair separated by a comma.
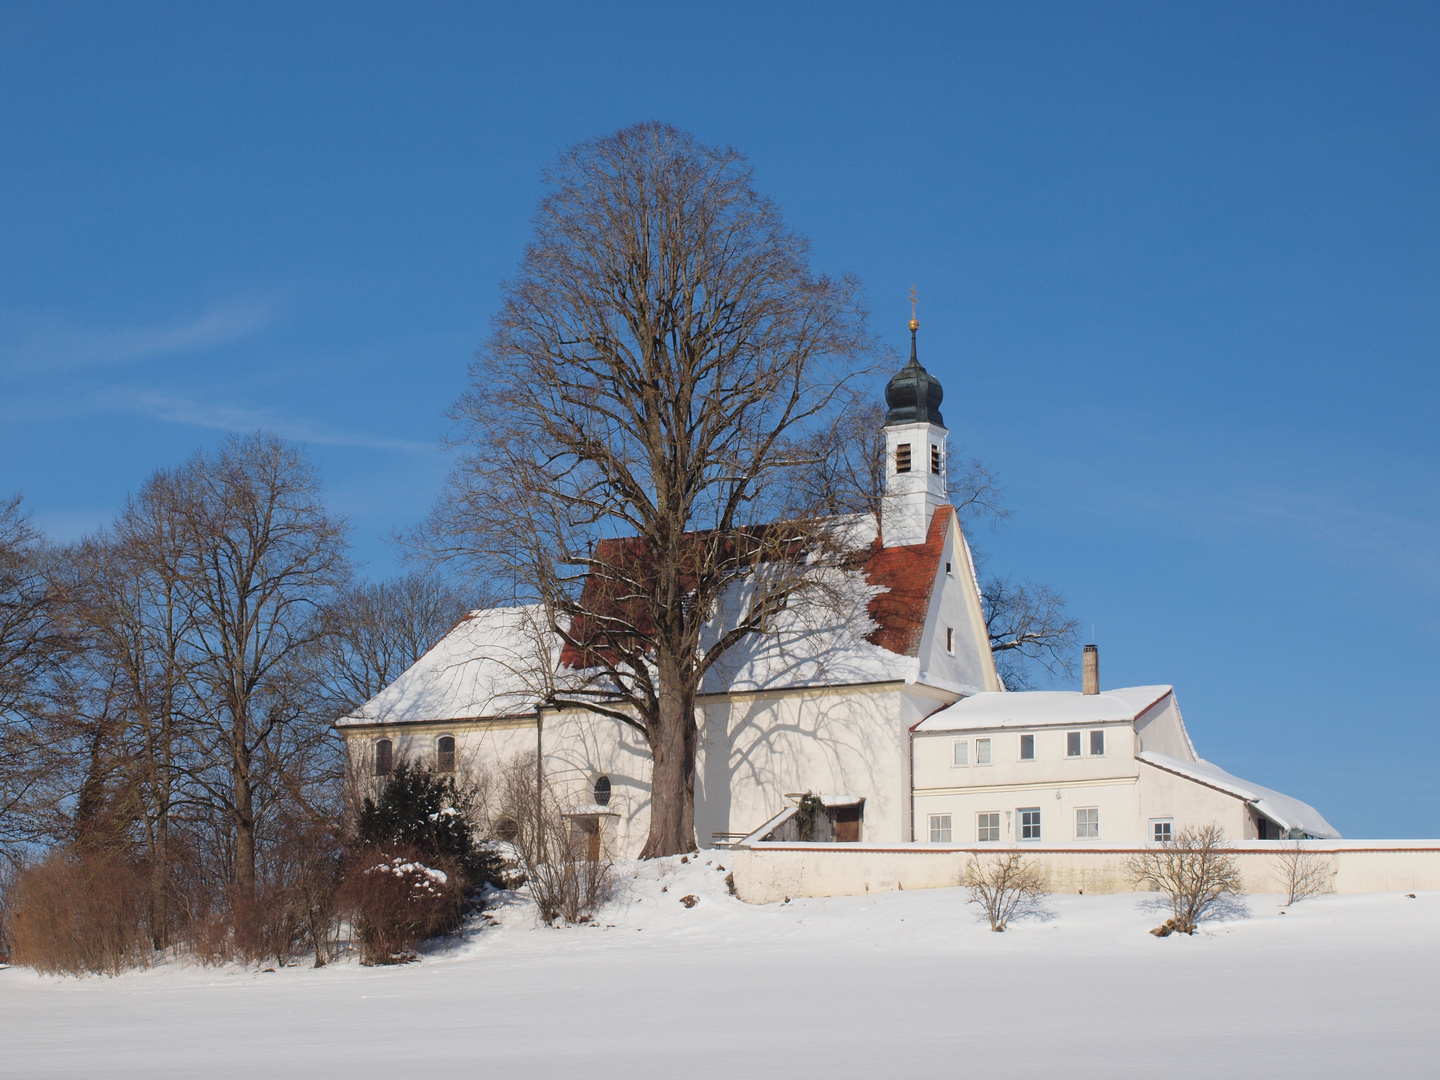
[[1177, 270]]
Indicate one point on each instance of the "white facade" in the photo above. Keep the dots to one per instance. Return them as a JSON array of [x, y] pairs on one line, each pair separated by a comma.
[[915, 470]]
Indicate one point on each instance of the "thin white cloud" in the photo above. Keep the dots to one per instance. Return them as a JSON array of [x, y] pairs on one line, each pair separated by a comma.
[[49, 347], [176, 410]]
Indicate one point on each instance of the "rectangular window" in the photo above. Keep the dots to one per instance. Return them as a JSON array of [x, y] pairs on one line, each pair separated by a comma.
[[902, 457], [1030, 823], [1072, 744], [950, 640], [948, 571], [982, 751], [960, 755], [987, 828], [1027, 747], [939, 828], [935, 459], [1097, 743], [1160, 829], [1087, 823]]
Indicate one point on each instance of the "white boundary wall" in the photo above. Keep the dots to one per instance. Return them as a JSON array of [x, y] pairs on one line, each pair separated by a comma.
[[769, 872]]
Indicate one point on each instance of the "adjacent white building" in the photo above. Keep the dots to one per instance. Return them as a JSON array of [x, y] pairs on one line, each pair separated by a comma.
[[886, 704]]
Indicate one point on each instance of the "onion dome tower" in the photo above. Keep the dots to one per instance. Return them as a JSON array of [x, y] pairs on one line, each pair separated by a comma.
[[915, 450]]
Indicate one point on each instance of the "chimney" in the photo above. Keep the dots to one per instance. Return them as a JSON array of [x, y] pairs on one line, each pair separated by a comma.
[[1091, 683]]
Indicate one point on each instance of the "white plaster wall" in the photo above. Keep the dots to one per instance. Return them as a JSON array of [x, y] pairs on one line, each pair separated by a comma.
[[955, 604], [1127, 792], [1161, 730], [911, 499], [766, 874]]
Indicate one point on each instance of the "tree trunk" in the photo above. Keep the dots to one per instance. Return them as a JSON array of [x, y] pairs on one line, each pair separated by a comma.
[[244, 821], [672, 776]]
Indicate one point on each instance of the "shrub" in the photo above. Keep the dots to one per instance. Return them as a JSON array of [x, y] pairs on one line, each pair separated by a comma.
[[427, 812], [809, 814], [78, 913], [1195, 870], [1303, 872], [565, 882], [1006, 888], [396, 901]]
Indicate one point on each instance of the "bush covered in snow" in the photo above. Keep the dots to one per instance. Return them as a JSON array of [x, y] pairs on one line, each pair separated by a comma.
[[397, 900]]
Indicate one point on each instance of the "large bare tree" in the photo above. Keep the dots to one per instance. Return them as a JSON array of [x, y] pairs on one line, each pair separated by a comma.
[[639, 413]]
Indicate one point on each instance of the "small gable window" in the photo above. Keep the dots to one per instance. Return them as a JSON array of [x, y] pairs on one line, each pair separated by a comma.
[[1027, 747], [1072, 744], [1097, 743], [602, 791], [384, 757], [1160, 830], [950, 640], [949, 572], [902, 457], [935, 459], [445, 753]]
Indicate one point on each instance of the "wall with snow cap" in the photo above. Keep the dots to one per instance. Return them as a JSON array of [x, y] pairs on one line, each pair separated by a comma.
[[769, 873]]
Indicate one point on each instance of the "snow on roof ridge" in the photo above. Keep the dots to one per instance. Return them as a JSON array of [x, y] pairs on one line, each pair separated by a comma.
[[1046, 708]]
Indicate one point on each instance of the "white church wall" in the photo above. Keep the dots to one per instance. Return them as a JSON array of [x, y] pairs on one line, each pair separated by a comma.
[[756, 749], [963, 656]]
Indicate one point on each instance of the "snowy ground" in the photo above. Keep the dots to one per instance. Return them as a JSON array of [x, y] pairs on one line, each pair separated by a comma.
[[900, 984]]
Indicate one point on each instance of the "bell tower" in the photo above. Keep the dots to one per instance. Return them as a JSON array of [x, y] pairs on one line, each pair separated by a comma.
[[915, 452]]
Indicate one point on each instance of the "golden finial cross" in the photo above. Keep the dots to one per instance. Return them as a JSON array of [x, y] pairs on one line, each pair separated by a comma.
[[914, 322]]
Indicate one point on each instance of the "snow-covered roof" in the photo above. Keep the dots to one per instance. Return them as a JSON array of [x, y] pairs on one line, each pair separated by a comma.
[[1044, 708], [1286, 812], [492, 664]]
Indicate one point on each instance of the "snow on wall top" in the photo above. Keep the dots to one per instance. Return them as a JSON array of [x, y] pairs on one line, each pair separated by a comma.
[[491, 664], [1287, 812], [1043, 708]]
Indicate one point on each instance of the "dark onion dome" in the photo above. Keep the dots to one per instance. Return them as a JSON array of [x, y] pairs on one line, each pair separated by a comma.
[[912, 393]]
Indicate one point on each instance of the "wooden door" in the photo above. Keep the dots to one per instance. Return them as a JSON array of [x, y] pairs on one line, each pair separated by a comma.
[[847, 824]]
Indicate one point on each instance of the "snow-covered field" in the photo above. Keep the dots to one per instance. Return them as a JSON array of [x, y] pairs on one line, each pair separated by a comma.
[[900, 984]]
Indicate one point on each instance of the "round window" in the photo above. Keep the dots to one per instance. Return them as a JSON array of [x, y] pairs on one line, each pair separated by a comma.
[[602, 791]]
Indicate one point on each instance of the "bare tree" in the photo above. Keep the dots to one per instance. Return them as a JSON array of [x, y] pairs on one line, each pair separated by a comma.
[[260, 557], [568, 872], [1028, 625], [1302, 871], [37, 771], [638, 415], [1005, 887], [374, 631], [1195, 869]]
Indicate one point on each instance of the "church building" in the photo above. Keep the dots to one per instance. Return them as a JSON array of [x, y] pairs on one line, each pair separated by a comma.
[[886, 706]]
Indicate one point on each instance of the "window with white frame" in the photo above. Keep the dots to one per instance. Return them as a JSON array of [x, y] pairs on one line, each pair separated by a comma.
[[1027, 747], [982, 751], [960, 752], [1097, 743], [1087, 823], [939, 828], [1072, 744], [987, 827], [1161, 829], [1029, 823], [950, 640]]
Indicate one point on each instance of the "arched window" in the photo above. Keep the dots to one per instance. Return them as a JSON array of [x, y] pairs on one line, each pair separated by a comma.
[[384, 757], [445, 753], [602, 791]]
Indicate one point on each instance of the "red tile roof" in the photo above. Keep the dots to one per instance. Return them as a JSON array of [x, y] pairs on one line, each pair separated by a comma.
[[906, 573]]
